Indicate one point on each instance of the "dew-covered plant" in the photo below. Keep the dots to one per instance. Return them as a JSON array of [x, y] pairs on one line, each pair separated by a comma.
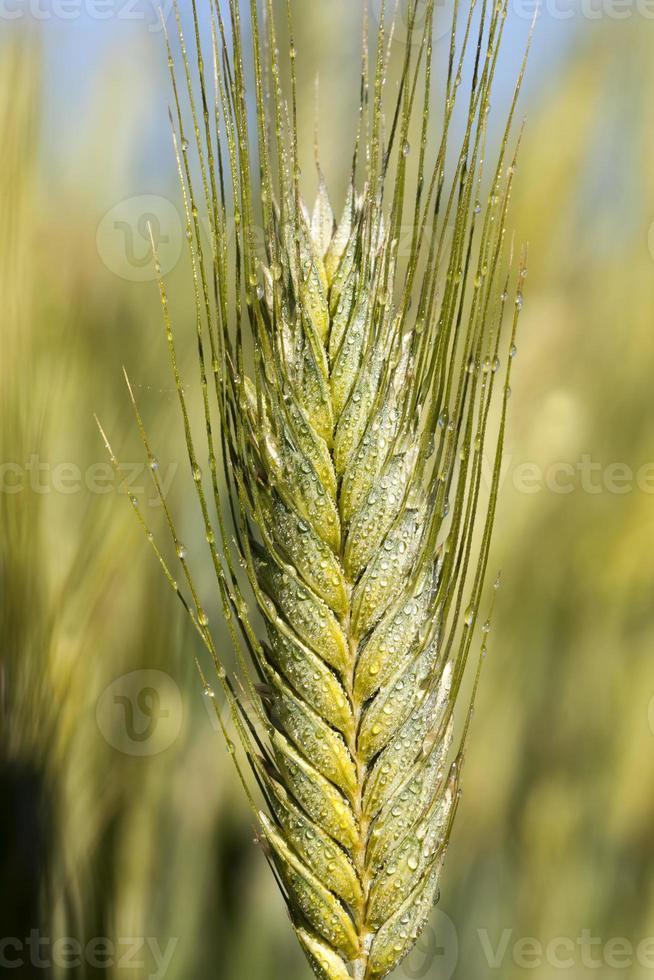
[[354, 383]]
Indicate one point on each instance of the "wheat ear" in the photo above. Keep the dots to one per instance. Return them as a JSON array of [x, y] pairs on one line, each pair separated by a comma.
[[349, 387]]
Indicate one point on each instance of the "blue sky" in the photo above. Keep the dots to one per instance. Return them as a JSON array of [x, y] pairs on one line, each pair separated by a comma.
[[93, 43]]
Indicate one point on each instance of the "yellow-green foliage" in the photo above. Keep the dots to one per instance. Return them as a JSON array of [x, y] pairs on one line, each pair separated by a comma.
[[554, 832]]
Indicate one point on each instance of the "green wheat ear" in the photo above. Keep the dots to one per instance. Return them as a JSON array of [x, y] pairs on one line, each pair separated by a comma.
[[349, 396]]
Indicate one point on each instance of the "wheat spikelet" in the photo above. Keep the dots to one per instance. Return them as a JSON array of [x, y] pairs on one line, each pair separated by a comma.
[[352, 441]]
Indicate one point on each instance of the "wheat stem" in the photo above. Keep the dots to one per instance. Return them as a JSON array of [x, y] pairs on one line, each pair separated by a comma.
[[353, 428]]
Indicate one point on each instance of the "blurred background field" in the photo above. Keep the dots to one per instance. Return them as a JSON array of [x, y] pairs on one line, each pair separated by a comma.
[[103, 835]]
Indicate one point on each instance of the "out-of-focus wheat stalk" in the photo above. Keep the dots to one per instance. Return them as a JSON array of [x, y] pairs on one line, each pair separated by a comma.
[[73, 805], [350, 391]]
